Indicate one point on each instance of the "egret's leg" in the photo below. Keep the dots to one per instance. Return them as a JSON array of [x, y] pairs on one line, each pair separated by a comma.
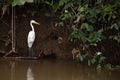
[[31, 52]]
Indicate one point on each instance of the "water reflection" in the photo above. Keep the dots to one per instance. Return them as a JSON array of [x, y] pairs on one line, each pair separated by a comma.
[[52, 70], [12, 64], [30, 75]]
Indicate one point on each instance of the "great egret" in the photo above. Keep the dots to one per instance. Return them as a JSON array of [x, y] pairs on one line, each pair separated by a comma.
[[31, 35]]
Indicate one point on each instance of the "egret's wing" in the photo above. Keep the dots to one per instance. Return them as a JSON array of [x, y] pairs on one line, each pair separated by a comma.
[[31, 38]]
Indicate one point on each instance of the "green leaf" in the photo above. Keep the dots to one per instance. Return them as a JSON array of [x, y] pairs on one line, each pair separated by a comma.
[[20, 2], [98, 53], [101, 59], [94, 12], [55, 7], [67, 6], [108, 8], [99, 67], [91, 37], [108, 66], [48, 3], [80, 9], [66, 16], [77, 20], [87, 27], [89, 62], [115, 37], [116, 26], [81, 57], [62, 2], [61, 24], [95, 36], [93, 61]]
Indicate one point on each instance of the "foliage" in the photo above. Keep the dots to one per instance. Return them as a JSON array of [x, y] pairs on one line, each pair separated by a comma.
[[86, 34], [112, 67], [86, 21], [15, 2], [89, 22], [20, 2], [97, 58], [80, 57]]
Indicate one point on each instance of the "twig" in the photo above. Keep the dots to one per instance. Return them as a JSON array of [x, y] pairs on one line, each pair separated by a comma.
[[73, 11], [4, 36], [3, 52], [19, 58], [13, 35], [14, 30]]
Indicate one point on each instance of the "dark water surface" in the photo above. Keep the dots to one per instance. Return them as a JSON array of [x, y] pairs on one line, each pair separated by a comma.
[[52, 70]]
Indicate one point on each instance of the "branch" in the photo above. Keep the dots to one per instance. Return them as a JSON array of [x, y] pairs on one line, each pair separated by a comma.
[[2, 52]]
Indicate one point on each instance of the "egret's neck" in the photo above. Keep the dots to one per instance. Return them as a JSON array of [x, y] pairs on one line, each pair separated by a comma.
[[32, 26]]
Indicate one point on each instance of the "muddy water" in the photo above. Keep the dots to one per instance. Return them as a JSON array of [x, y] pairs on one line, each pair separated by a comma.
[[52, 70]]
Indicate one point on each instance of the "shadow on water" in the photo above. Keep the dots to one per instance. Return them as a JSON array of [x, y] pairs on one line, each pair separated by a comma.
[[52, 70]]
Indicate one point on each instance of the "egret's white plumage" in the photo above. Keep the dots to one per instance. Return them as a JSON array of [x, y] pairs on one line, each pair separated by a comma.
[[31, 34]]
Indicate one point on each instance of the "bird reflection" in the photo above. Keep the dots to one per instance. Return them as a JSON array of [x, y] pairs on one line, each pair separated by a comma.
[[30, 75]]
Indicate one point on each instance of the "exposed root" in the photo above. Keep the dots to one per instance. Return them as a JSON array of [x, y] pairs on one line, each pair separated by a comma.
[[10, 52]]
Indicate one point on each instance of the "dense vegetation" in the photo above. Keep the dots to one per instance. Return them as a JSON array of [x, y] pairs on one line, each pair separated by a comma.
[[90, 24]]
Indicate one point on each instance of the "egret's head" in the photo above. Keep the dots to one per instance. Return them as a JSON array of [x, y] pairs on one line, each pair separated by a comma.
[[33, 21]]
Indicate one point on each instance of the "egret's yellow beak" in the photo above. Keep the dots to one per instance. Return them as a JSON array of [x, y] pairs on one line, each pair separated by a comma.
[[36, 23]]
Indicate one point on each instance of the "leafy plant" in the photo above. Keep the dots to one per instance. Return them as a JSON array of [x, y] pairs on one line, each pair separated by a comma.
[[116, 37], [20, 2], [87, 22], [80, 57], [86, 34], [97, 58]]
